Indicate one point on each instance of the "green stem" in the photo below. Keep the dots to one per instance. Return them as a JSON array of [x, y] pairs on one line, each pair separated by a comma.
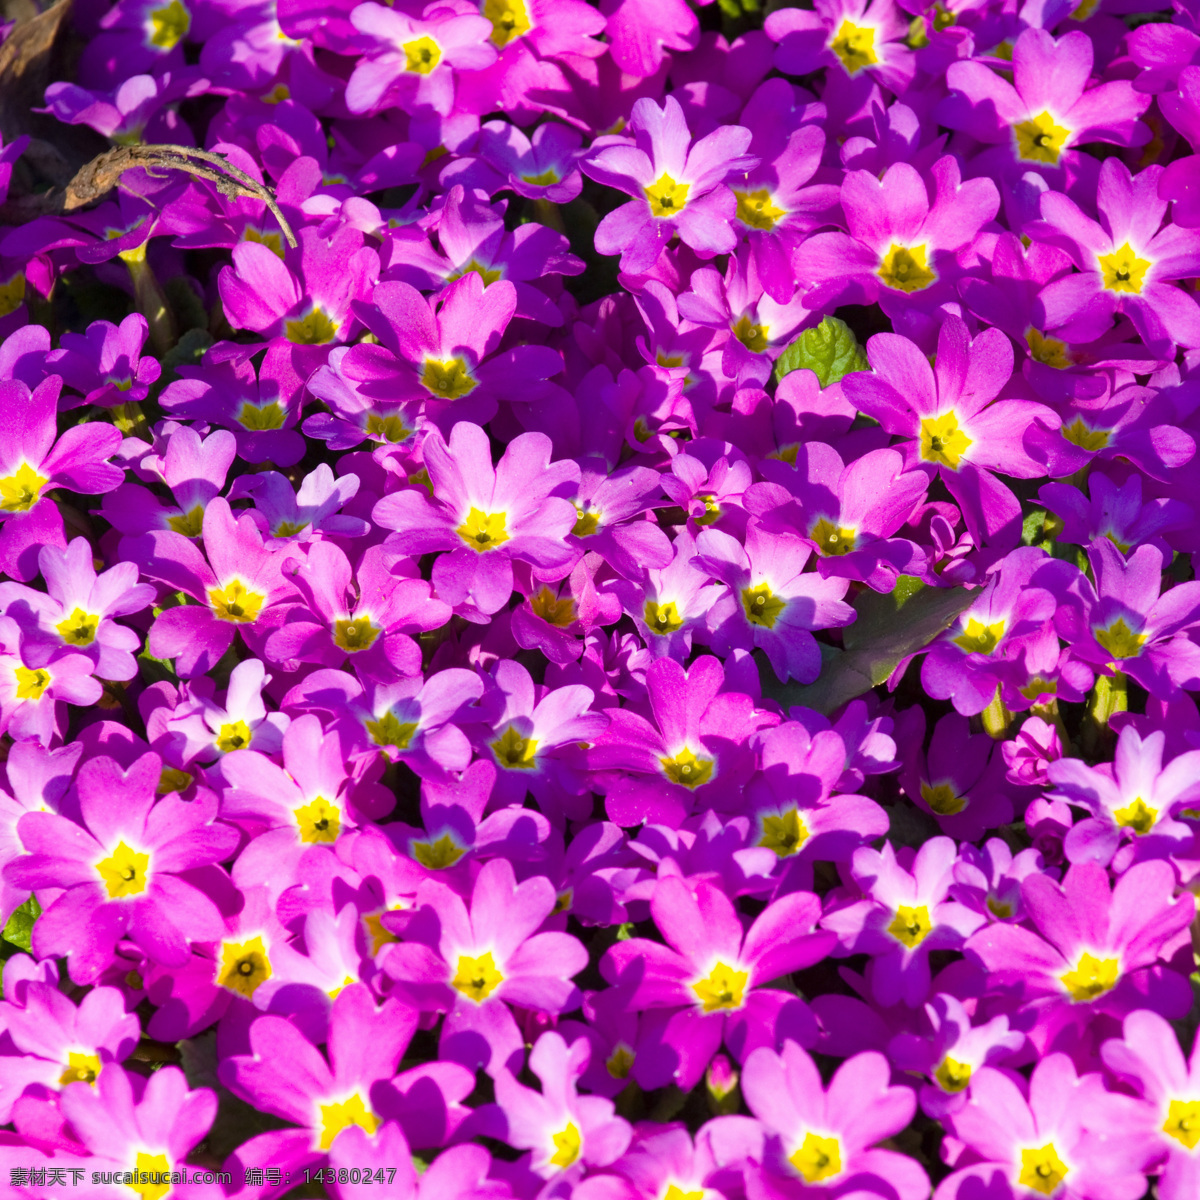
[[151, 301], [1110, 695], [545, 212], [130, 420], [997, 720]]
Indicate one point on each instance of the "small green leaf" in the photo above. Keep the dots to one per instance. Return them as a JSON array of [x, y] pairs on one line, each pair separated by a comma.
[[888, 628], [19, 929], [830, 351], [626, 931], [1033, 526]]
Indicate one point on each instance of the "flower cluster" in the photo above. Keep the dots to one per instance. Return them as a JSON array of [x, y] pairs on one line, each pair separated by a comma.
[[629, 635]]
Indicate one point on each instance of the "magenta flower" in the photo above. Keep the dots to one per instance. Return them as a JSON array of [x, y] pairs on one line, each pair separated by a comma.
[[1065, 1136], [1128, 263], [445, 352], [677, 187], [1036, 121], [123, 868], [473, 965], [1135, 800], [1094, 951], [690, 755], [105, 364], [711, 973], [771, 604], [34, 460], [321, 1095], [78, 607], [903, 241], [37, 681], [563, 1131], [485, 516], [1113, 511], [952, 422], [412, 60], [1149, 1058], [58, 1043], [237, 587], [813, 1136], [907, 911]]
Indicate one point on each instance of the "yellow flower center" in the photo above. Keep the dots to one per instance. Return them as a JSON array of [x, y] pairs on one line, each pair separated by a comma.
[[784, 832], [476, 978], [762, 606], [1083, 435], [757, 209], [236, 602], [832, 539], [662, 618], [1042, 1170], [274, 240], [483, 531], [753, 337], [712, 511], [999, 909], [542, 178], [233, 735], [377, 934], [313, 329], [319, 821], [855, 46], [905, 268], [169, 25], [387, 429], [261, 418], [31, 683], [1183, 1122], [687, 769], [943, 441], [515, 752], [675, 1192], [20, 491], [151, 1166], [1090, 978], [942, 798], [244, 966], [1123, 270], [341, 1115], [448, 379], [567, 1146], [354, 634], [190, 523], [554, 610], [288, 528], [80, 1068], [666, 197], [620, 1062], [1138, 816], [489, 275], [587, 521], [978, 638], [439, 855], [389, 731], [421, 55], [1047, 350], [911, 925], [12, 293], [952, 1074], [1119, 640], [1040, 139], [723, 987], [817, 1158], [123, 872], [171, 779]]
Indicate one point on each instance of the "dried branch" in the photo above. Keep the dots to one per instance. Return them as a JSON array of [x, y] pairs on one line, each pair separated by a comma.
[[94, 180]]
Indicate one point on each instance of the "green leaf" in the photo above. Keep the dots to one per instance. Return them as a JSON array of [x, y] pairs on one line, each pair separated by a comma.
[[830, 351], [19, 930], [1032, 528], [887, 629]]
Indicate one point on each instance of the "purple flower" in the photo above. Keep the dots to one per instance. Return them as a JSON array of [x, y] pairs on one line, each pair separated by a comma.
[[1094, 951], [711, 973], [814, 1136], [485, 516], [906, 912], [677, 187], [123, 868], [105, 364]]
